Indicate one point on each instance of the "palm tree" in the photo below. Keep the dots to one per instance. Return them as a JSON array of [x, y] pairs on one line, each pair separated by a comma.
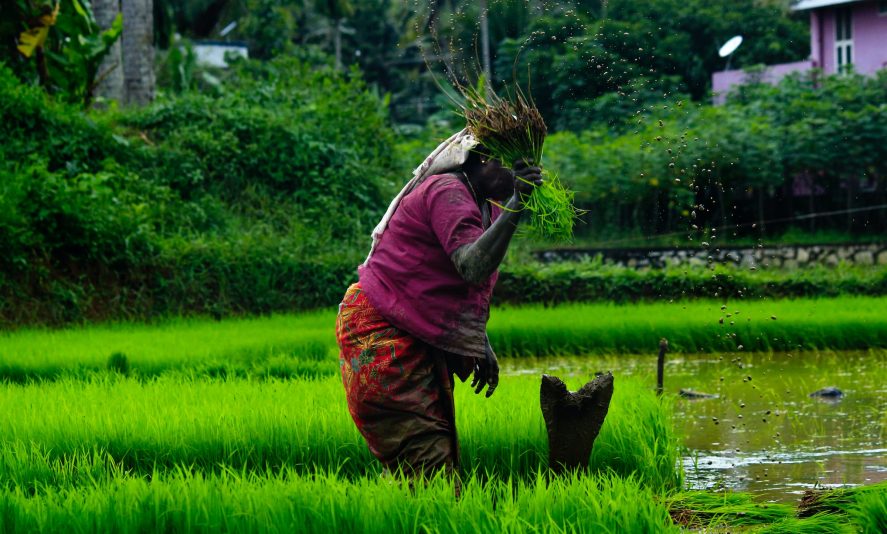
[[138, 51], [336, 11], [110, 73]]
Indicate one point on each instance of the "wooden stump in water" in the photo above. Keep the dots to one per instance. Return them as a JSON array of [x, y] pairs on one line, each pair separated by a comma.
[[573, 419]]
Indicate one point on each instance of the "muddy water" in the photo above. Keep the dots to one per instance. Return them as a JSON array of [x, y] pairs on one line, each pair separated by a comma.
[[763, 433]]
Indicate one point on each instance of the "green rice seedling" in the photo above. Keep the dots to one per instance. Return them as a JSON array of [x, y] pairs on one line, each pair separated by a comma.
[[843, 323], [841, 500], [869, 512], [154, 348], [301, 423], [513, 130], [282, 501], [305, 344], [118, 362], [817, 524], [697, 509]]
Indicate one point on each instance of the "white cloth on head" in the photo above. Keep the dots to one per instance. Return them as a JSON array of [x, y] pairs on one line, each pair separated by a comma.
[[448, 156]]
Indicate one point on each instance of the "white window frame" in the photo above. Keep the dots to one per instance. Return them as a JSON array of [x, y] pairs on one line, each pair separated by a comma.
[[843, 39]]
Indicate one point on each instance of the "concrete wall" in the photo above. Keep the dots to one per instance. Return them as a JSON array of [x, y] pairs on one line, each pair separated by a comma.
[[787, 256], [869, 38], [721, 82], [869, 48]]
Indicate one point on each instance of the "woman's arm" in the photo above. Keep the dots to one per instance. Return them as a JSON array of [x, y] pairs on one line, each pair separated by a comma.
[[479, 260]]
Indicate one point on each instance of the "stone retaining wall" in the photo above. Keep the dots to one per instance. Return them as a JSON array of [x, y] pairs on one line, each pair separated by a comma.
[[784, 256]]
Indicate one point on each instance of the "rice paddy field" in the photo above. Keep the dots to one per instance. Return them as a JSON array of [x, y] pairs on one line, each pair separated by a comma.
[[241, 425]]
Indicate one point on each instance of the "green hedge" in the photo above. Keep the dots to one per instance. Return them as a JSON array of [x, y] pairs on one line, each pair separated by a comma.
[[591, 281], [202, 281], [245, 279]]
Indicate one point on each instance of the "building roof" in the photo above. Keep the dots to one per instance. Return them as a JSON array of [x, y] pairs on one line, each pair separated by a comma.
[[815, 4]]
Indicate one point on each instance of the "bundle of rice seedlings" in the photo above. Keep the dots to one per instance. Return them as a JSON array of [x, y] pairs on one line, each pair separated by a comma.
[[514, 130]]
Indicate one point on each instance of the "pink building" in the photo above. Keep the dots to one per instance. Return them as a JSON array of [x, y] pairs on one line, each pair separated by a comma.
[[842, 32]]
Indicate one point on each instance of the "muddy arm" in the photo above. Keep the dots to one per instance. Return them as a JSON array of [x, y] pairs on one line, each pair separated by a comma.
[[479, 260]]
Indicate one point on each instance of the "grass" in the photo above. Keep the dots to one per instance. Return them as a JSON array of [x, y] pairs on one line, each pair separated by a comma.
[[285, 502], [692, 326], [861, 509], [870, 510], [133, 433], [280, 345], [112, 424], [304, 344], [703, 509]]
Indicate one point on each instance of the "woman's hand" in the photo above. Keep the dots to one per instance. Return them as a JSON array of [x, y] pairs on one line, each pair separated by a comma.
[[527, 177], [486, 372]]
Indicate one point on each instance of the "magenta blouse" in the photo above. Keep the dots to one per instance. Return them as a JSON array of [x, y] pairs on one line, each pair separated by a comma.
[[410, 278]]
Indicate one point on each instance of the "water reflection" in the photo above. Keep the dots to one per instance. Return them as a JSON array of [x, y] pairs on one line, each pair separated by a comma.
[[763, 432]]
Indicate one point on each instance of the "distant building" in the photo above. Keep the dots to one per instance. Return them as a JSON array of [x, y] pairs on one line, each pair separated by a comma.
[[842, 33], [213, 53]]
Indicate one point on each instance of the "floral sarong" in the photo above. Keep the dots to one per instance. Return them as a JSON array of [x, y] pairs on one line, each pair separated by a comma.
[[399, 389]]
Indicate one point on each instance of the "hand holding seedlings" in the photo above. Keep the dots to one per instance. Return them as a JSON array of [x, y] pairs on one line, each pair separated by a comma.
[[527, 177]]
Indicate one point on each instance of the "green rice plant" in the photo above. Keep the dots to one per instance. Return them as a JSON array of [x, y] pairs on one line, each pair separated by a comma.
[[305, 344], [512, 129], [234, 346], [697, 509], [841, 500], [552, 213], [284, 501], [844, 323], [817, 524], [304, 424], [870, 510]]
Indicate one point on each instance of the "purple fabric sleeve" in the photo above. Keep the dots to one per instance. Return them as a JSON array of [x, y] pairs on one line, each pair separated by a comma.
[[453, 215]]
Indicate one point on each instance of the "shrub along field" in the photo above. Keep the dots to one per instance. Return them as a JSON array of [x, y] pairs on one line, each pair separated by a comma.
[[260, 196], [248, 201]]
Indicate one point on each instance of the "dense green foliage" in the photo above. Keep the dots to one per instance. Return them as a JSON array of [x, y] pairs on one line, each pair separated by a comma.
[[193, 204], [687, 169], [591, 281], [638, 48], [65, 59]]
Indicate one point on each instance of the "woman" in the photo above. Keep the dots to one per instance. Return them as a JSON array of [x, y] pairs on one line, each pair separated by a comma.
[[418, 315]]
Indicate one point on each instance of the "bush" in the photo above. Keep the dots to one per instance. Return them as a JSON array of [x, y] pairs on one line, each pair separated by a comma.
[[195, 204], [591, 281]]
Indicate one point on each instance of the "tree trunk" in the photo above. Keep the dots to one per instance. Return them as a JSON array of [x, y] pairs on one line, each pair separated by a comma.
[[811, 205], [110, 74], [337, 42], [761, 222], [485, 46], [790, 200], [882, 200], [138, 51], [573, 419]]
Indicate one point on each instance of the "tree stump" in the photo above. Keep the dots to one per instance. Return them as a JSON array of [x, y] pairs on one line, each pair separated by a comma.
[[573, 419]]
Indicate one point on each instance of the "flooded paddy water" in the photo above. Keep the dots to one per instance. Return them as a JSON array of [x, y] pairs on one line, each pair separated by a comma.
[[763, 432]]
